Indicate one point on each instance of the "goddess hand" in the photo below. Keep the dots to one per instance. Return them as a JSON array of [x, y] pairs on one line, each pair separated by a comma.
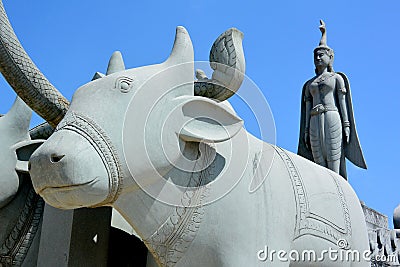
[[347, 133], [306, 139]]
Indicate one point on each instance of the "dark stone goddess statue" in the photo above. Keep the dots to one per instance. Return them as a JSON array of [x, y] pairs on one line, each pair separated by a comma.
[[327, 127]]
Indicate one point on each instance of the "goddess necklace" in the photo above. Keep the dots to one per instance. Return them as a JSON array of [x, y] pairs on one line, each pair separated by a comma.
[[323, 77]]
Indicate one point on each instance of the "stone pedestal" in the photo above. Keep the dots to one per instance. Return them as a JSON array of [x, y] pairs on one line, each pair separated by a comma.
[[74, 237]]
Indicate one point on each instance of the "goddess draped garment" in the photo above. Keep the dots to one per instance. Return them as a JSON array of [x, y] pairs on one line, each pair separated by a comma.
[[326, 131]]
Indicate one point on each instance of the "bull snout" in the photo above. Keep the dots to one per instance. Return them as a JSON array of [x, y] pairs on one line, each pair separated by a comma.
[[54, 158], [46, 168], [68, 172]]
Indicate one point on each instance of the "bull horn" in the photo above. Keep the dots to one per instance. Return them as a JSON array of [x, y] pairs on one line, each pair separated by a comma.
[[25, 78], [182, 51], [227, 61], [116, 63]]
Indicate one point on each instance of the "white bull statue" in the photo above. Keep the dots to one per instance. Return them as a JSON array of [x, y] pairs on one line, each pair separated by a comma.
[[198, 189]]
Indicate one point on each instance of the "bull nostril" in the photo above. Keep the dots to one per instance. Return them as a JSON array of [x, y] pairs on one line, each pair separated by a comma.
[[56, 158], [29, 166]]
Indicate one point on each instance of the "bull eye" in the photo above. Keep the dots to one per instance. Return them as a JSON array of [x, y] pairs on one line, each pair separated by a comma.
[[124, 84]]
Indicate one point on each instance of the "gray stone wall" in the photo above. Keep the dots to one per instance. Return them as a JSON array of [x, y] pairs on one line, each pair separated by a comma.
[[384, 243]]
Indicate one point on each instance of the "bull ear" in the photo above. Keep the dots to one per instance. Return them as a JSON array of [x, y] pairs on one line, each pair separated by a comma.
[[24, 150], [97, 75], [206, 120]]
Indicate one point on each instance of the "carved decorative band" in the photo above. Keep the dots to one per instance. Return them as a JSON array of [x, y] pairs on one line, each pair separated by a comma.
[[170, 241], [89, 130], [308, 223], [15, 247], [300, 193]]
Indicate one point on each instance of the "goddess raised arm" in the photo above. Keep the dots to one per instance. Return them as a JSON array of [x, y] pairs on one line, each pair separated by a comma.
[[327, 127]]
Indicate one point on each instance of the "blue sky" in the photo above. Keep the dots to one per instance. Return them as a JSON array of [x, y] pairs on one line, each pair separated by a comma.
[[71, 40]]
